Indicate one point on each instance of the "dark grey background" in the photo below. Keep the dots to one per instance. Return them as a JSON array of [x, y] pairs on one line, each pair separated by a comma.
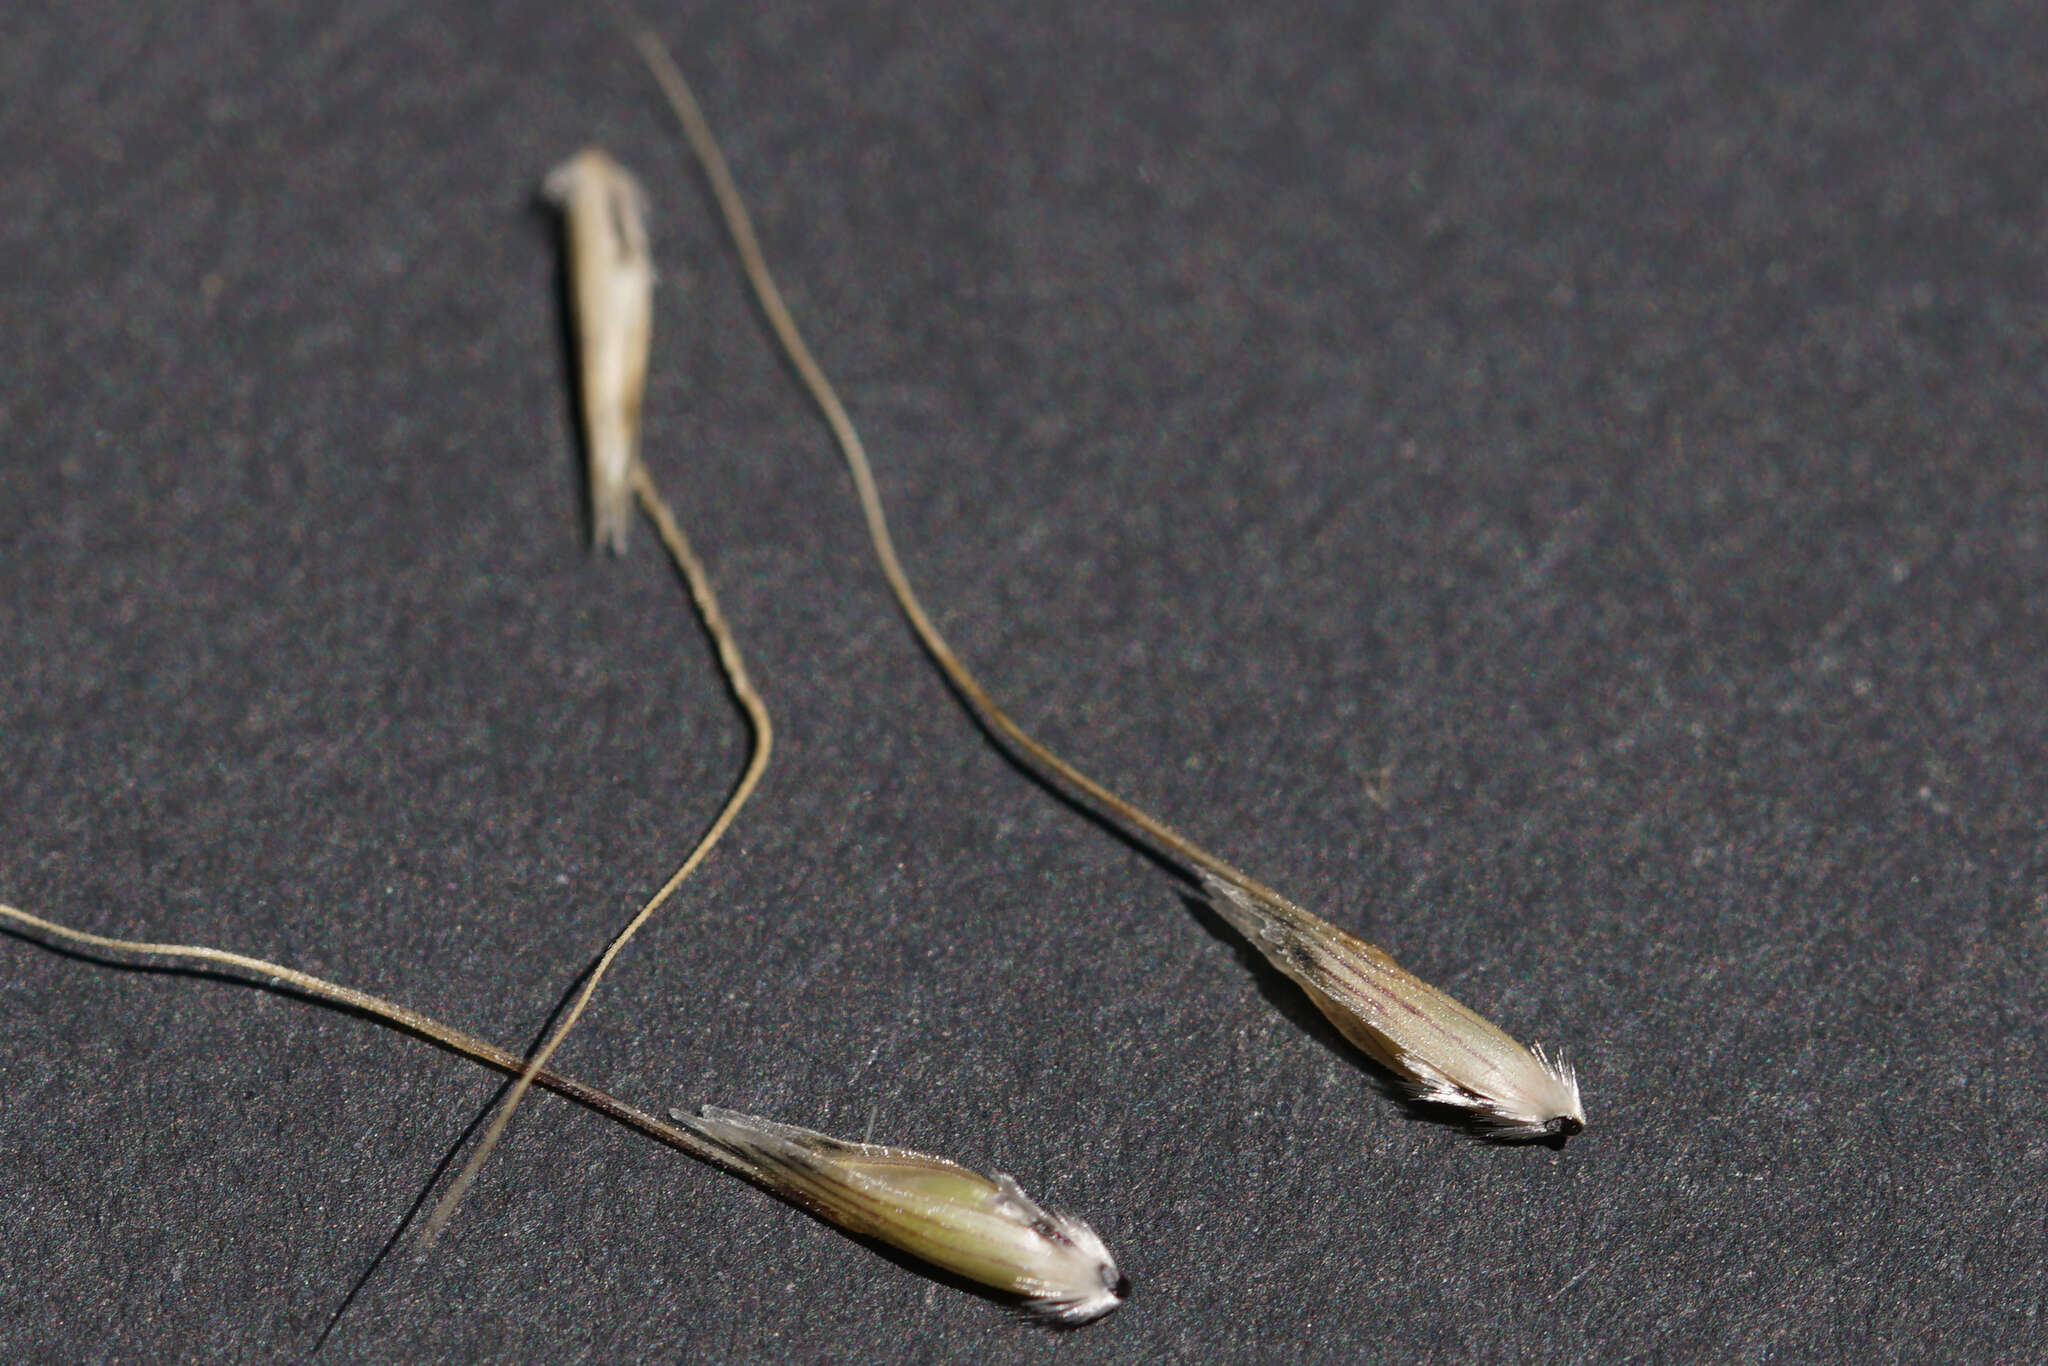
[[1619, 424]]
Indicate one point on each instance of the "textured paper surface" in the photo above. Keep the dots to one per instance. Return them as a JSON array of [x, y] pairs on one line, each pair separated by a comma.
[[1625, 426]]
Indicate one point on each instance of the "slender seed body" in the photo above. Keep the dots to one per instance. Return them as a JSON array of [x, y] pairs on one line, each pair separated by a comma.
[[982, 1227], [611, 280], [1447, 1053]]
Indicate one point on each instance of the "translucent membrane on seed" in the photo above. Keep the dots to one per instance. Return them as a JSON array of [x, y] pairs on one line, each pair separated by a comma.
[[983, 1228]]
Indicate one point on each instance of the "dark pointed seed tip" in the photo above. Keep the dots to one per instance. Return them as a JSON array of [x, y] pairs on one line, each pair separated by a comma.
[[1564, 1126], [1122, 1288]]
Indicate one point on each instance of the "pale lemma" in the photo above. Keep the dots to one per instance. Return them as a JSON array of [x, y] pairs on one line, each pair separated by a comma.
[[984, 1228], [611, 288]]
